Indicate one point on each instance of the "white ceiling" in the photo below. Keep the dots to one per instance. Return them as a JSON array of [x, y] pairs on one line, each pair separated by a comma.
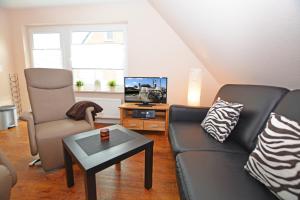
[[40, 3], [240, 41]]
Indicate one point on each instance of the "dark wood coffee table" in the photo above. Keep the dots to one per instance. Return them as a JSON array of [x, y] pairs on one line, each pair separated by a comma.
[[94, 155]]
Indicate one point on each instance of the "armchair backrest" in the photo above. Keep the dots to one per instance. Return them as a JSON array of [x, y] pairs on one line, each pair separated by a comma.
[[50, 93]]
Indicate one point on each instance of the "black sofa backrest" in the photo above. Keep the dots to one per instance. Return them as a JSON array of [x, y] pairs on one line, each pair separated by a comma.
[[289, 106], [259, 102]]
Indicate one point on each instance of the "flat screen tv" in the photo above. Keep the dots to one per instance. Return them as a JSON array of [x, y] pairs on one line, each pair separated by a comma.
[[146, 90]]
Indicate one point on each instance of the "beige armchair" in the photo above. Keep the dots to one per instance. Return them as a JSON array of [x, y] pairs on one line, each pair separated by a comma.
[[51, 95], [8, 178]]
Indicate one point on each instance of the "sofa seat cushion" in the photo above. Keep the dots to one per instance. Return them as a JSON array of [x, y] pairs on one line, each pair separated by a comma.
[[49, 140], [190, 136], [205, 175]]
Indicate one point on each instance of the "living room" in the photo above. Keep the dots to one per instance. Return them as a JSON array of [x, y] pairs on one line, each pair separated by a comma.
[[99, 58]]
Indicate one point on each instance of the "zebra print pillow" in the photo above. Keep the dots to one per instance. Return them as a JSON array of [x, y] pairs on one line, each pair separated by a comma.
[[221, 119], [275, 161]]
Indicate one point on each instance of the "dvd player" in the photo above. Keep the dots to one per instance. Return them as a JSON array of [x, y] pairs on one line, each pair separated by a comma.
[[145, 114]]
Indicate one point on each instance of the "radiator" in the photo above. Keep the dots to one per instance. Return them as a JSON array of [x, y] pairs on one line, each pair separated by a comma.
[[110, 106]]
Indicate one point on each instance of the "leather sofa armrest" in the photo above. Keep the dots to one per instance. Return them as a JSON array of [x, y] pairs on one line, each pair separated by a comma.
[[187, 113], [89, 117], [28, 117], [5, 183]]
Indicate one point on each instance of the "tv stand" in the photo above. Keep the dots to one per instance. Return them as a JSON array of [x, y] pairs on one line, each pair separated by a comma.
[[159, 123]]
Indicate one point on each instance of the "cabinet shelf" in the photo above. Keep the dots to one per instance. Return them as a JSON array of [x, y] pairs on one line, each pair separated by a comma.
[[159, 123], [158, 118]]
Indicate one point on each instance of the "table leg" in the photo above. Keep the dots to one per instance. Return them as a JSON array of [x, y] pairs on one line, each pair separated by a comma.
[[90, 186], [148, 166], [68, 168], [118, 166]]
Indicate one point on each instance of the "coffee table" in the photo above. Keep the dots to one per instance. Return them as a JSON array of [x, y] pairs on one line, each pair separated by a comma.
[[94, 155]]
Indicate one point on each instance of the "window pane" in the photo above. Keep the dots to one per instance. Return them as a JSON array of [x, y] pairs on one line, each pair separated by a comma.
[[47, 58], [78, 37], [46, 41], [103, 50]]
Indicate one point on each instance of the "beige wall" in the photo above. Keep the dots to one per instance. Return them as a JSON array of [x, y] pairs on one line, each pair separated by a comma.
[[154, 49], [6, 66]]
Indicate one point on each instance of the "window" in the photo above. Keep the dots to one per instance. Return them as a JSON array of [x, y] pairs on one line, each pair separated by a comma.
[[94, 53], [100, 55], [46, 50]]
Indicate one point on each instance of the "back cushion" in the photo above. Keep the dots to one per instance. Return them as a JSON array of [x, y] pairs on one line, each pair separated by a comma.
[[289, 106], [50, 93], [259, 102]]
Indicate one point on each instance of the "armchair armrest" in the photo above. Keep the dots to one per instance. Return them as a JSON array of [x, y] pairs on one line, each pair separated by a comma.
[[89, 117], [5, 162], [28, 117], [5, 183], [187, 113], [8, 177]]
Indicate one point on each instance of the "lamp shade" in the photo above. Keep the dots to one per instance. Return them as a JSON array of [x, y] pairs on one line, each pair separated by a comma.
[[194, 86]]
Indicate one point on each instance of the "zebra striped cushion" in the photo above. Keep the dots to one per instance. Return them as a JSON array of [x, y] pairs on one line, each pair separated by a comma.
[[276, 159], [221, 119]]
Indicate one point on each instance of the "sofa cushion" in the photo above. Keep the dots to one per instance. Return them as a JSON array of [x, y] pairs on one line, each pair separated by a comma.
[[190, 136], [207, 175], [221, 119], [289, 106], [275, 161], [258, 101]]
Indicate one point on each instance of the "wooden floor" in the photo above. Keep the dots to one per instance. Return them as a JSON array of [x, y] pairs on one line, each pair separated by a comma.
[[124, 182]]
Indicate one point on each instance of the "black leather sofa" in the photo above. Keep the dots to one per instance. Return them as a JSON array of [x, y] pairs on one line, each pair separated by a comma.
[[209, 170]]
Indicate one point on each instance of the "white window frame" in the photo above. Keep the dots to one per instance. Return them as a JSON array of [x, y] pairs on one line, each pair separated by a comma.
[[65, 32]]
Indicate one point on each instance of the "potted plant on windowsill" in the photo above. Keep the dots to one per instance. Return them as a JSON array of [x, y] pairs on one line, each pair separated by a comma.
[[97, 85], [112, 84], [79, 85]]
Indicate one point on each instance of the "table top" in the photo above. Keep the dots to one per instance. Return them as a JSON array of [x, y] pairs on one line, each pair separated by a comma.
[[90, 151]]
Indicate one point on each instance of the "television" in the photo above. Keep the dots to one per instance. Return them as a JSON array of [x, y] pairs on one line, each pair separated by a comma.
[[145, 90]]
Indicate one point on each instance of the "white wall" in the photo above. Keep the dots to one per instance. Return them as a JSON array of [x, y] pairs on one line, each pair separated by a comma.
[[154, 49], [6, 66], [241, 41]]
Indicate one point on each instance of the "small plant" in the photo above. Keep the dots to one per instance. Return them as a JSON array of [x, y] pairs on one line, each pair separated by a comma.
[[112, 83], [79, 83], [97, 83]]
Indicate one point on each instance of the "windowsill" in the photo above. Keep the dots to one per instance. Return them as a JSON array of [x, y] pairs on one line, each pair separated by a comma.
[[93, 89]]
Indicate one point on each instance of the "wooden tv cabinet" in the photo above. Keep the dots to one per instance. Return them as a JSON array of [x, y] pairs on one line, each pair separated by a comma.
[[159, 123]]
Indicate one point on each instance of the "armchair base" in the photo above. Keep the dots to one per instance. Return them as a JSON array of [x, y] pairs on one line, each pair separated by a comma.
[[34, 162]]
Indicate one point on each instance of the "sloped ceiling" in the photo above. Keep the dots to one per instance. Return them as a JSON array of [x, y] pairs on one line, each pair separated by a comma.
[[240, 41]]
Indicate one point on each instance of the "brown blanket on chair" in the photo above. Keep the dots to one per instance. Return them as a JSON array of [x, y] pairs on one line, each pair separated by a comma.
[[77, 111]]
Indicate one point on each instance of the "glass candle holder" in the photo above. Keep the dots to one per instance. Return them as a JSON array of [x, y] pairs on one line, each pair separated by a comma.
[[104, 134]]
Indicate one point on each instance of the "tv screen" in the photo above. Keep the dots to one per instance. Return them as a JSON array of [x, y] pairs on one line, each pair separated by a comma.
[[146, 89]]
